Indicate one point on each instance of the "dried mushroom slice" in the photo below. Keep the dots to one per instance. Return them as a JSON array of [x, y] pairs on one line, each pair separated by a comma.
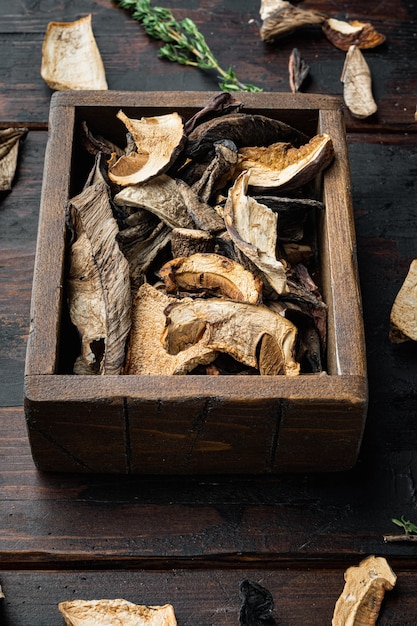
[[204, 216], [364, 590], [252, 334], [112, 612], [10, 139], [161, 197], [159, 141], [71, 58], [146, 354], [345, 34], [213, 273], [98, 284], [253, 228], [403, 318], [282, 166], [357, 84], [281, 18]]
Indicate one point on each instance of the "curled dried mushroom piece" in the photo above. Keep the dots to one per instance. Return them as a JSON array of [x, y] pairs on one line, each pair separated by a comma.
[[345, 34], [281, 18], [403, 318], [120, 612]]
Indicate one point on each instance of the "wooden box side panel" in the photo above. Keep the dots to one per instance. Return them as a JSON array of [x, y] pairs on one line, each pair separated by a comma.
[[204, 436], [46, 303], [346, 353], [74, 436]]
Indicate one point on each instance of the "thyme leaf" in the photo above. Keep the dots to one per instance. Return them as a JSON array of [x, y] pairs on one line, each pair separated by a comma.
[[184, 43]]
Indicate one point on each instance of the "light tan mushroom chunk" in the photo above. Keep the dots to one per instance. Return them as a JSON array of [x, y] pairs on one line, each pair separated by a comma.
[[158, 139], [403, 318], [112, 612], [71, 58], [357, 84], [161, 197], [281, 165], [212, 272], [235, 328], [364, 590], [253, 228], [146, 354]]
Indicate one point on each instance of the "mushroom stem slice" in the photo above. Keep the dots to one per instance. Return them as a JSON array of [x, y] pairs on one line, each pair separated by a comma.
[[357, 80], [281, 18], [120, 612], [364, 590], [214, 273], [239, 329]]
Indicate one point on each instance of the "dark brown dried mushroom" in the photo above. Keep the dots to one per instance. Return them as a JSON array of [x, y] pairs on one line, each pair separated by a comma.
[[159, 141], [146, 355], [281, 18], [281, 165], [345, 34], [297, 69], [403, 318], [251, 334], [188, 241], [292, 214], [213, 273]]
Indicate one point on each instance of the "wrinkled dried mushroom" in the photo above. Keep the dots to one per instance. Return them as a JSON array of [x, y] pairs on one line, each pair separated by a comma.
[[357, 80], [10, 139], [71, 58], [159, 140], [345, 34], [281, 18], [251, 334], [403, 318], [364, 590], [120, 612]]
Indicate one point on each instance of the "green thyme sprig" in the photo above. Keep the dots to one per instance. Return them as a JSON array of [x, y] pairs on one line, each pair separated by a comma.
[[184, 43], [408, 527]]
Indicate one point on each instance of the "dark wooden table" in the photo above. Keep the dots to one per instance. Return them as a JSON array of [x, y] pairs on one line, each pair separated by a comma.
[[190, 541]]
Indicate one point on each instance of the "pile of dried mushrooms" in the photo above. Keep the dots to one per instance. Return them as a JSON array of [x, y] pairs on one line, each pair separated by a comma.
[[192, 248]]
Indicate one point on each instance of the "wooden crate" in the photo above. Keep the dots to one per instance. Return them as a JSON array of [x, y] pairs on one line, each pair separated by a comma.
[[193, 424]]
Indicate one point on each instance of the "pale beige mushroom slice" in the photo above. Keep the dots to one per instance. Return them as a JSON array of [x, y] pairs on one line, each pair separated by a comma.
[[364, 590], [71, 58], [403, 318], [253, 228], [112, 612], [161, 197], [159, 141], [239, 329], [146, 354], [214, 273], [282, 166], [357, 84]]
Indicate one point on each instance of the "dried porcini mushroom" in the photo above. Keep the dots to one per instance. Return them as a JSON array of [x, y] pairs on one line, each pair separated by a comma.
[[213, 273], [146, 354], [98, 283], [10, 139], [281, 165], [120, 612], [403, 318], [281, 18], [159, 141], [71, 58], [357, 80], [364, 590], [257, 605], [297, 70], [345, 34], [253, 228], [234, 328], [161, 197]]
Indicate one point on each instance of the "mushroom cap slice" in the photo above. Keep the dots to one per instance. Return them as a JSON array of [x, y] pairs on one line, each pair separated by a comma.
[[214, 273], [146, 354], [345, 34], [159, 141], [281, 18], [281, 165], [253, 228], [111, 612], [71, 58], [357, 84], [403, 318], [239, 329]]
